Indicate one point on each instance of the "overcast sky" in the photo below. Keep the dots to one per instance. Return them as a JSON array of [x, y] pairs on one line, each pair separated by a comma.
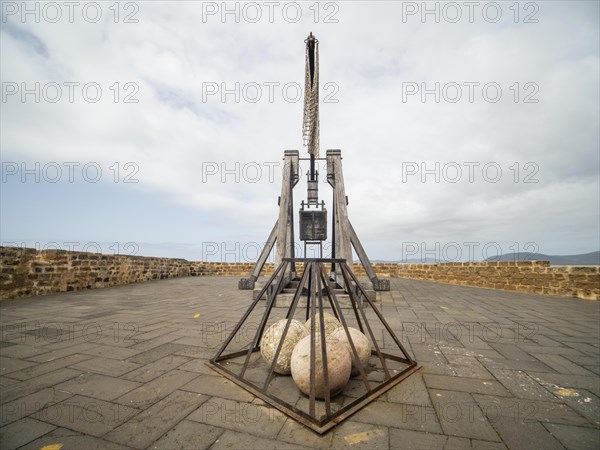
[[159, 128]]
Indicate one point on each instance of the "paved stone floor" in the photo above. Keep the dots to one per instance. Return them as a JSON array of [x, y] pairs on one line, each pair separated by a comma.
[[124, 367]]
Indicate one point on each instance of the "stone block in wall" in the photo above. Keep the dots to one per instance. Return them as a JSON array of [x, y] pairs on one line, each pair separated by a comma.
[[583, 269]]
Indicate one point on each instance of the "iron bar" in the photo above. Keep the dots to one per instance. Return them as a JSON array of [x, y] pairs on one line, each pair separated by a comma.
[[312, 395], [383, 321], [324, 359], [289, 317], [249, 310], [354, 353], [345, 269], [263, 322]]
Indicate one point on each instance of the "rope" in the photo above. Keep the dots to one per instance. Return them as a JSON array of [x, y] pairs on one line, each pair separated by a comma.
[[310, 126]]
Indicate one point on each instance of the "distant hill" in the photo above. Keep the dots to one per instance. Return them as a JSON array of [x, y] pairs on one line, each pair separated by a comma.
[[556, 260]]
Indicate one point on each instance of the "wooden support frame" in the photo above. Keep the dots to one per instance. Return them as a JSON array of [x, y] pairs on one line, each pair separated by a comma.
[[344, 237], [283, 231]]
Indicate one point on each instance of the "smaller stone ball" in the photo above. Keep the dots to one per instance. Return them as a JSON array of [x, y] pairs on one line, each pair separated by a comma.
[[361, 344], [339, 365], [331, 323], [271, 339]]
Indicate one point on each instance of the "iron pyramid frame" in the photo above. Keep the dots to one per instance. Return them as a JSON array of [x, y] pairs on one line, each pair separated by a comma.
[[316, 287]]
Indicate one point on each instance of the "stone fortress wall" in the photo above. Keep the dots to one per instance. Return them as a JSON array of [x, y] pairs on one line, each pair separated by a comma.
[[27, 272]]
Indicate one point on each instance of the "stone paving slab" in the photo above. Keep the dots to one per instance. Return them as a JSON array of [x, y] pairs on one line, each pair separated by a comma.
[[146, 427], [71, 439], [149, 393], [125, 367], [20, 389], [23, 431], [460, 416], [26, 406], [155, 369], [86, 415], [525, 434], [235, 440], [97, 386], [189, 435]]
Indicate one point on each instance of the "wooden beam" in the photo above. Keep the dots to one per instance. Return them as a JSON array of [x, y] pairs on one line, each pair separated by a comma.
[[335, 177], [285, 222]]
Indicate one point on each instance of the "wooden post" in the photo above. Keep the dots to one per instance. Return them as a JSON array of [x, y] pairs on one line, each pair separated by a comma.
[[335, 177], [344, 235], [283, 231], [285, 225]]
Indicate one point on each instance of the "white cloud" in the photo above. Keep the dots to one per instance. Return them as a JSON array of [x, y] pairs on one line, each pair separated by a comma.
[[172, 134]]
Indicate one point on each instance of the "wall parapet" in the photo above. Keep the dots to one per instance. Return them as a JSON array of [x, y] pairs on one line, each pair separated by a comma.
[[537, 277], [26, 272]]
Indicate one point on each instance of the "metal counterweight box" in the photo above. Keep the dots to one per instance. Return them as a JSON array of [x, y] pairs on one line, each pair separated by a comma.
[[313, 225]]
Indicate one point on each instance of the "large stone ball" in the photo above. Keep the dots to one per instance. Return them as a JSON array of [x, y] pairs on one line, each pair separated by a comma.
[[339, 365], [331, 323], [361, 344], [271, 339]]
